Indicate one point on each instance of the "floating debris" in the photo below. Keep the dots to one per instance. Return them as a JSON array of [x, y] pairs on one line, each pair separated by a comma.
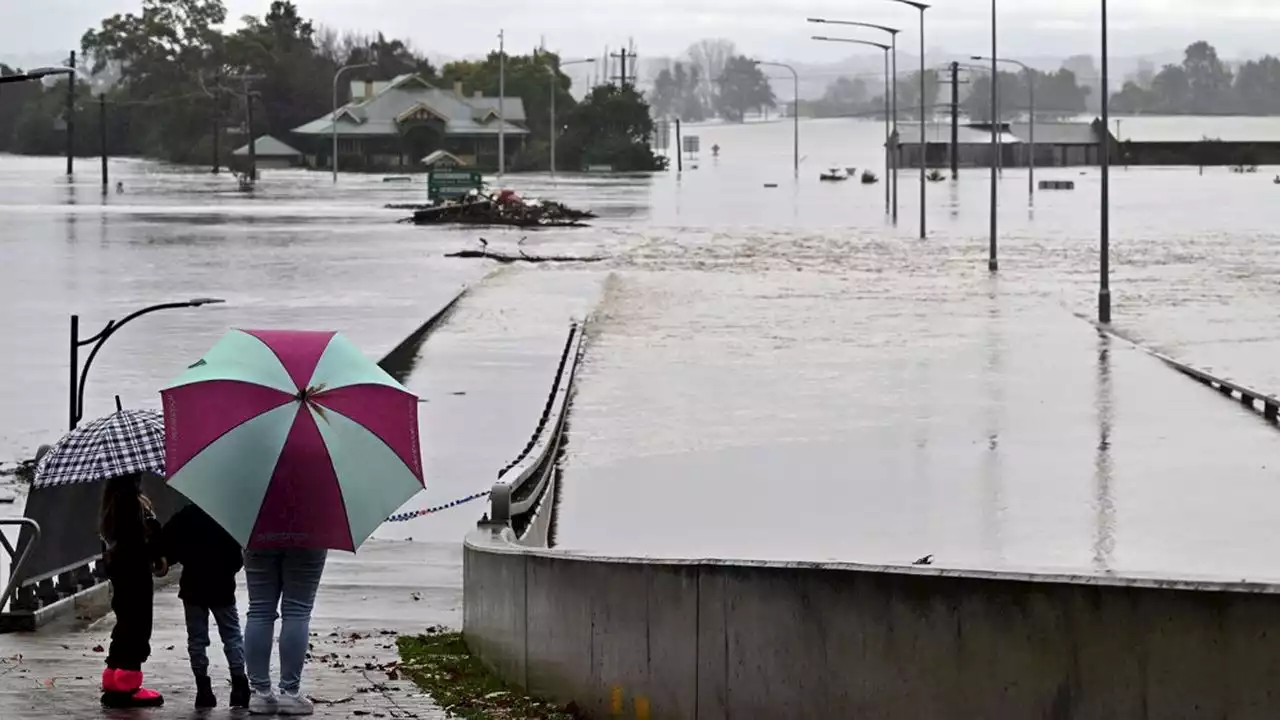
[[503, 208]]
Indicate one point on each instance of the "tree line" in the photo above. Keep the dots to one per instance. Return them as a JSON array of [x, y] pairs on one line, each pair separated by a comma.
[[1203, 84], [712, 80], [175, 83]]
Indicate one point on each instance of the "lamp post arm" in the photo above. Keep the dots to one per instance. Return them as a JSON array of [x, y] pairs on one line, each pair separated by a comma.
[[101, 338]]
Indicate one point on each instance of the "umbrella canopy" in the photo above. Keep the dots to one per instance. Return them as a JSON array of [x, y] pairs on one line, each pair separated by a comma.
[[292, 439], [123, 443]]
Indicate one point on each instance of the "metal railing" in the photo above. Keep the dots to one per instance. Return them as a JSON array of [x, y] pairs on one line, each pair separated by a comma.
[[516, 499], [16, 560], [1267, 405]]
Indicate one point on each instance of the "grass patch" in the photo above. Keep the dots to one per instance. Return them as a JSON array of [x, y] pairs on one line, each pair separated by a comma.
[[440, 663]]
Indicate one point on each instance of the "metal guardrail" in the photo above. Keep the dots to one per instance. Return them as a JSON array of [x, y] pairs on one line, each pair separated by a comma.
[[1266, 404], [523, 483], [16, 560]]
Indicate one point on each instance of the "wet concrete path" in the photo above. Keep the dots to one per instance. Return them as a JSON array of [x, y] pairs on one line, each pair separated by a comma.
[[365, 600], [979, 423], [483, 377]]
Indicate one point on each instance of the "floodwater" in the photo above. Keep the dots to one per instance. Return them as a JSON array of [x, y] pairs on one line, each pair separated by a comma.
[[770, 372]]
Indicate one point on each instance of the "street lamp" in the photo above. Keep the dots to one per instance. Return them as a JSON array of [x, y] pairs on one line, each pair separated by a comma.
[[795, 113], [37, 73], [923, 145], [555, 129], [887, 151], [893, 34], [79, 375], [1104, 269], [1031, 92], [333, 119]]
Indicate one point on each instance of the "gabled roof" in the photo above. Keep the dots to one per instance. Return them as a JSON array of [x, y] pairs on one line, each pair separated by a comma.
[[1057, 133], [938, 133], [267, 147], [443, 156], [401, 97]]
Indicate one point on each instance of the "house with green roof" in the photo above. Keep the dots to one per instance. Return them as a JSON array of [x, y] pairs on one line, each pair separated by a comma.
[[394, 124]]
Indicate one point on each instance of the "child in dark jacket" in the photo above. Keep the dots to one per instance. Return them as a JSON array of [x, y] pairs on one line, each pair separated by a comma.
[[131, 552], [210, 560]]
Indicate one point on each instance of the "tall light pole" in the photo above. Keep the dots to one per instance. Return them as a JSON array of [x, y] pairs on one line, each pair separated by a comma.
[[79, 376], [893, 34], [555, 85], [795, 114], [1104, 155], [333, 119], [924, 181], [37, 73], [1031, 94], [502, 103], [887, 151]]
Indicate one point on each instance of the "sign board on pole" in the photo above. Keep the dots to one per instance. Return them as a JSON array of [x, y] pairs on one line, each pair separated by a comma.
[[692, 144], [447, 184]]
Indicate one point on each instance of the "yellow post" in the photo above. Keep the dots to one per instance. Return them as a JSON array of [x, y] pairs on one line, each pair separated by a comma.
[[615, 701], [642, 707]]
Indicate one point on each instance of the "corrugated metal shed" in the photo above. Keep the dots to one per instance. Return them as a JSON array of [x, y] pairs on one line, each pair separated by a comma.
[[940, 133]]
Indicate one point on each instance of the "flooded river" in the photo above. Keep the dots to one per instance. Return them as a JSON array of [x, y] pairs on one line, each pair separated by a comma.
[[770, 372]]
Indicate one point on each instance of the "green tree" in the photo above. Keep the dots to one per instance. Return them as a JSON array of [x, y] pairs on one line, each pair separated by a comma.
[[1011, 98], [1257, 87], [742, 87], [531, 78], [909, 93], [1208, 80], [612, 126]]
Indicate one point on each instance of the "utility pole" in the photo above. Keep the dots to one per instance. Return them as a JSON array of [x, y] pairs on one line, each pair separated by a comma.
[[253, 150], [102, 138], [679, 150], [247, 83], [502, 103], [71, 117], [622, 55], [955, 121], [217, 122]]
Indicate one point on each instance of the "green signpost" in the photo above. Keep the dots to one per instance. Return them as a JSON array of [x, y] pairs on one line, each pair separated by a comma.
[[449, 184]]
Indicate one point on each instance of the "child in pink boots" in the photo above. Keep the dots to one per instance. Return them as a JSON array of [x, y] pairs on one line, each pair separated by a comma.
[[131, 536]]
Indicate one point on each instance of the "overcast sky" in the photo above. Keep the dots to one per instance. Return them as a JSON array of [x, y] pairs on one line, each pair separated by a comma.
[[766, 29]]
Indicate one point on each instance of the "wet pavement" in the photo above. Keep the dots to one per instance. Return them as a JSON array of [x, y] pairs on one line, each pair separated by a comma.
[[365, 601]]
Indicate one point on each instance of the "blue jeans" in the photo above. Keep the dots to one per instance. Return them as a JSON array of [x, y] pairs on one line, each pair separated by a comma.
[[228, 620], [282, 583]]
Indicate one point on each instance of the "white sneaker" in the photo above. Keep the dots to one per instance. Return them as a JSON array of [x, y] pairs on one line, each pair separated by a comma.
[[263, 703], [294, 704]]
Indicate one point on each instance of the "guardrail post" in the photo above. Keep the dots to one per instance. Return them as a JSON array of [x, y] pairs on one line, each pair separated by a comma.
[[84, 577], [1269, 411], [46, 592], [500, 504], [25, 599]]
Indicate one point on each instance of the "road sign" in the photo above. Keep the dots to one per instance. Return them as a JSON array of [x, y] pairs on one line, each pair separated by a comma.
[[692, 144], [453, 183]]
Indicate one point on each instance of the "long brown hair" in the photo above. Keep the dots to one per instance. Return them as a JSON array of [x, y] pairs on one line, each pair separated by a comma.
[[122, 502]]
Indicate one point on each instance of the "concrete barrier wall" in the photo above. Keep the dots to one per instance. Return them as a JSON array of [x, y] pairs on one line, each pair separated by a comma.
[[709, 640]]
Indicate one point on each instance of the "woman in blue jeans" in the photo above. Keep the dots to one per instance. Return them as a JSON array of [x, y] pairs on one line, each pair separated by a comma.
[[282, 583]]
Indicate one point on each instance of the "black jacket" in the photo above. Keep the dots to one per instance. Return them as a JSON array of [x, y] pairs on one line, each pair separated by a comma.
[[135, 547], [209, 556]]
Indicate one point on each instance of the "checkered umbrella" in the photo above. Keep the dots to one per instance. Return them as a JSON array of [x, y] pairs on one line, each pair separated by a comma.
[[129, 441]]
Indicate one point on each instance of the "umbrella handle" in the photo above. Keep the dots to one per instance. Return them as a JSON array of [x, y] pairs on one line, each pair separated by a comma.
[[119, 407]]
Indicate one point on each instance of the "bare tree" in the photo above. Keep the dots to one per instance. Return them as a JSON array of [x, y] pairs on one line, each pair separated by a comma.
[[710, 56]]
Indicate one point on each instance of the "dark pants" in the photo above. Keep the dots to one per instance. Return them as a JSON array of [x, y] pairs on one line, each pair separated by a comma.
[[228, 620], [131, 595]]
